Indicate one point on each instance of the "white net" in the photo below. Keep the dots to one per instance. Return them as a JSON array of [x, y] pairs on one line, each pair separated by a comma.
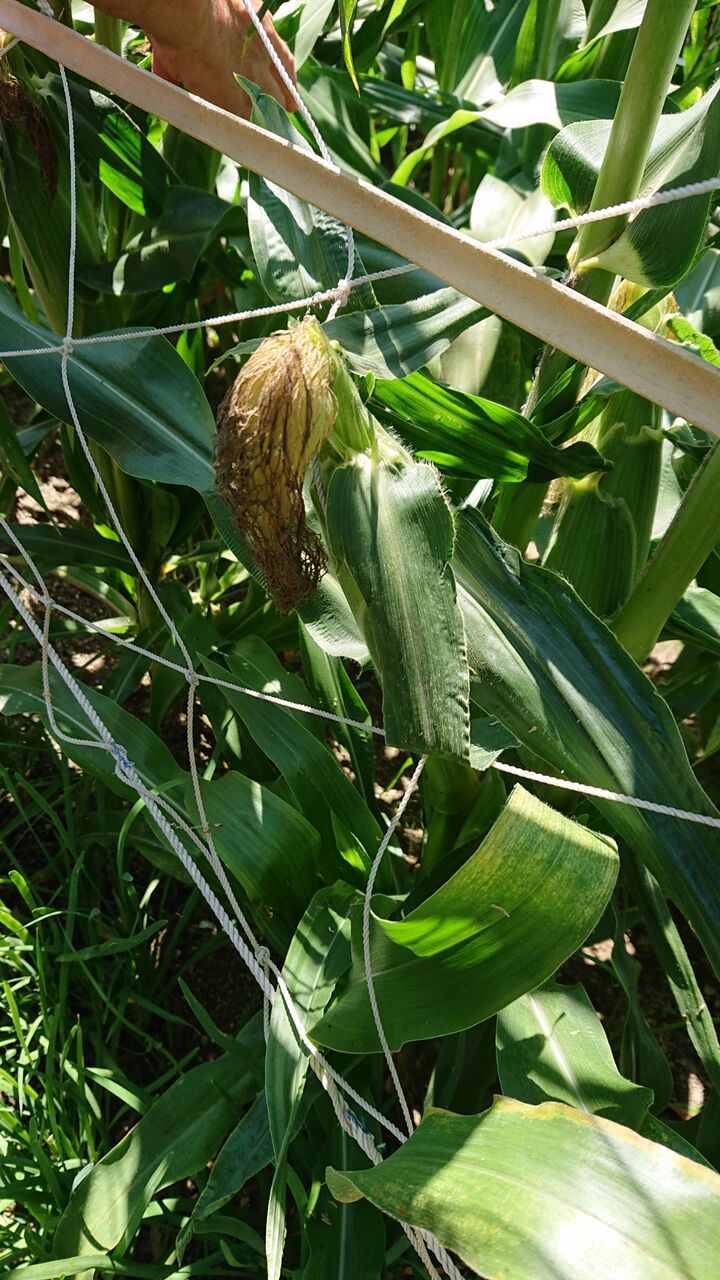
[[22, 582]]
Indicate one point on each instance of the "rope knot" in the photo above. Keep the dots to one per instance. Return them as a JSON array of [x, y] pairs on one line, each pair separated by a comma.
[[122, 764], [67, 346], [192, 678]]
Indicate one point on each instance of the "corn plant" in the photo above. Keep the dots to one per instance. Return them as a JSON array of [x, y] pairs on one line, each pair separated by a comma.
[[457, 546]]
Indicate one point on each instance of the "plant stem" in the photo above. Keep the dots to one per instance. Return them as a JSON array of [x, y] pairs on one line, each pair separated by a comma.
[[691, 537], [652, 65], [649, 76], [108, 31]]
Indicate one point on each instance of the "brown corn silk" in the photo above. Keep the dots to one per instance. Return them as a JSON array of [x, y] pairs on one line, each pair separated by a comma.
[[274, 419]]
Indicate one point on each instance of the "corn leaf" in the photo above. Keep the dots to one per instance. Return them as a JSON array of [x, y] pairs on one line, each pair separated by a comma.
[[549, 1192], [253, 829], [298, 249], [396, 339], [471, 437], [175, 1139], [497, 928], [660, 245], [137, 399], [558, 679], [317, 782], [390, 532], [696, 620], [551, 1047]]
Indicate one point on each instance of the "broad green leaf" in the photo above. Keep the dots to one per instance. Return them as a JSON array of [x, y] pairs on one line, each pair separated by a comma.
[[267, 845], [343, 121], [317, 957], [471, 437], [346, 13], [137, 399], [13, 458], [551, 1047], [395, 340], [246, 1152], [698, 295], [659, 245], [557, 678], [21, 693], [539, 50], [175, 1139], [497, 928], [299, 250], [313, 16], [170, 248], [314, 776], [390, 532], [699, 343], [475, 54], [499, 209], [549, 1192], [557, 105], [335, 692], [696, 620], [70, 545], [329, 620], [112, 146], [345, 1241], [36, 186]]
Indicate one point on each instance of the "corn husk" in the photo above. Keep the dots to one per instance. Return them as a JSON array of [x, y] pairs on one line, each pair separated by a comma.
[[273, 421]]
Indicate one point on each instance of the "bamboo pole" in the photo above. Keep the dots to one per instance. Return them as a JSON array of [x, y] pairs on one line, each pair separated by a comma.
[[661, 371]]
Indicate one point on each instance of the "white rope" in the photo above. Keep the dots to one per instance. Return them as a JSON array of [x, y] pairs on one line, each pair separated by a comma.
[[367, 958], [601, 793]]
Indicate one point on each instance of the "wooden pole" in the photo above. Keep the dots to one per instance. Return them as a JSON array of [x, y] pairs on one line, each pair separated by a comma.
[[661, 371]]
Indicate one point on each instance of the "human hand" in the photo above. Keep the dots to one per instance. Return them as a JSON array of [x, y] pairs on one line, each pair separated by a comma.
[[202, 42]]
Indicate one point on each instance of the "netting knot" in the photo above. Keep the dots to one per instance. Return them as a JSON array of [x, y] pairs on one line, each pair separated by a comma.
[[67, 346], [192, 678], [122, 763], [342, 292]]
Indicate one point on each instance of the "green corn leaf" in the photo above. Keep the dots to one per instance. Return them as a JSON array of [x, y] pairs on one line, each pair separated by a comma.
[[395, 340], [21, 693], [346, 13], [390, 532], [137, 399], [497, 928], [317, 957], [253, 829], [558, 679], [551, 1047], [36, 185], [299, 250], [246, 1152], [175, 1139], [549, 1192], [660, 245], [170, 248], [111, 145], [471, 437], [696, 620], [51, 547], [313, 774]]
